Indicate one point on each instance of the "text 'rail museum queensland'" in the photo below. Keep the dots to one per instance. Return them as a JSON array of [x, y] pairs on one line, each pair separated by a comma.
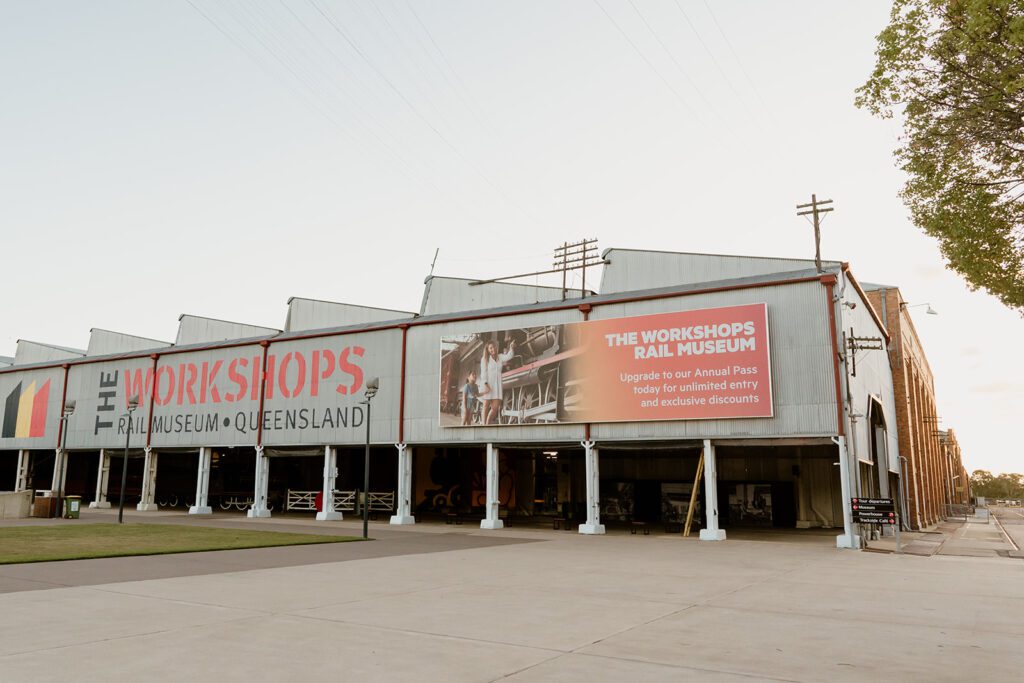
[[497, 400]]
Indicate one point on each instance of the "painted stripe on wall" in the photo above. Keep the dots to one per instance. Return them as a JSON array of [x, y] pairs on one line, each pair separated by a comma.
[[37, 426], [25, 411], [11, 412]]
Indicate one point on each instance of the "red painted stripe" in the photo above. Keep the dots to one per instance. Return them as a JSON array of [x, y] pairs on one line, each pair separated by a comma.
[[263, 392], [42, 397], [63, 402]]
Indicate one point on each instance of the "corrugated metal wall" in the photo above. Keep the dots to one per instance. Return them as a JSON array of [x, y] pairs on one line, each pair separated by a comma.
[[874, 378], [22, 394], [335, 413], [100, 391], [802, 377], [804, 389], [193, 329], [453, 295], [801, 363], [423, 384], [631, 270], [181, 421], [104, 342], [29, 352], [312, 314]]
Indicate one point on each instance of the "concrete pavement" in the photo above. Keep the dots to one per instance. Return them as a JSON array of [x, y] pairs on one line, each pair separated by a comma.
[[564, 608]]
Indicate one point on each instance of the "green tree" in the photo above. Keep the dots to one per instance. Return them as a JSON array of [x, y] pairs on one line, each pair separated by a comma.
[[984, 483], [955, 70]]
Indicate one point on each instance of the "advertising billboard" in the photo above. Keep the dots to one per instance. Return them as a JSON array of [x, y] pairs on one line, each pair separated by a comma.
[[689, 365]]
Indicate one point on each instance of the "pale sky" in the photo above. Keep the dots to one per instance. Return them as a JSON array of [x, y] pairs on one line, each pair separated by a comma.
[[155, 161]]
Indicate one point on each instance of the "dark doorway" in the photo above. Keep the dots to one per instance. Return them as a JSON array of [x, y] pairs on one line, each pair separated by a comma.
[[83, 466], [176, 473], [133, 483], [783, 505], [8, 470]]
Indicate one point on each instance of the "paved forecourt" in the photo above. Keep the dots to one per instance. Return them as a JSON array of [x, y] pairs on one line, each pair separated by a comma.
[[566, 607]]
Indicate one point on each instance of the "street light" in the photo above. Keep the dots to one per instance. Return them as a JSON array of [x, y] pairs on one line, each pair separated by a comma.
[[69, 410], [133, 403], [372, 386], [929, 311]]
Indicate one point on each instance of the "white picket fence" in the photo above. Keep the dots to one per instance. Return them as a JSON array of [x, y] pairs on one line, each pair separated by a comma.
[[382, 501], [344, 501]]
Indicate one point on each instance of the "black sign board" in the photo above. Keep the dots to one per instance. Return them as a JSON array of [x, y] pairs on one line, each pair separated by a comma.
[[867, 517], [876, 504], [873, 510]]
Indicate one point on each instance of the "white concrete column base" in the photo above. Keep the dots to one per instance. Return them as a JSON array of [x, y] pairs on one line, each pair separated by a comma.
[[592, 529], [101, 504], [402, 519], [257, 513], [200, 510], [328, 516], [848, 541], [712, 534], [147, 507], [492, 524]]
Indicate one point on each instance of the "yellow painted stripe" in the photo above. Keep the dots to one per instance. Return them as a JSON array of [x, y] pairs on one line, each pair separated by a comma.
[[24, 427]]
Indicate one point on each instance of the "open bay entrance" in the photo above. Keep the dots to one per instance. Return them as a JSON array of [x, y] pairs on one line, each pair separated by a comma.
[[80, 478], [8, 470], [649, 484], [133, 483], [232, 478], [778, 487], [176, 478], [296, 480]]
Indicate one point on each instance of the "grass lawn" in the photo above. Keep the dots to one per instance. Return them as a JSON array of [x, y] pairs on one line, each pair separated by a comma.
[[76, 542]]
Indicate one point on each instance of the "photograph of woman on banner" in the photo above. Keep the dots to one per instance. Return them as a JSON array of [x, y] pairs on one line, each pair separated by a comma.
[[491, 365]]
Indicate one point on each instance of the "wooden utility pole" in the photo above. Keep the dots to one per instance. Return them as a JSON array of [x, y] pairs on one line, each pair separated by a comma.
[[569, 256], [815, 209], [573, 256]]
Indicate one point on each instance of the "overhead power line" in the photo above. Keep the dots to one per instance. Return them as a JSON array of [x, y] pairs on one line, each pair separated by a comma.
[[672, 57], [415, 110], [714, 60], [650, 64], [314, 98], [459, 87], [739, 63]]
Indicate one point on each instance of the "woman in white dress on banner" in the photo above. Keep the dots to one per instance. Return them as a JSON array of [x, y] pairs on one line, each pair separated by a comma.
[[490, 376]]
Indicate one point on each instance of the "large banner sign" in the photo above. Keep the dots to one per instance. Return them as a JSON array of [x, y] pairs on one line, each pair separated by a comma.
[[313, 393], [704, 364], [100, 392]]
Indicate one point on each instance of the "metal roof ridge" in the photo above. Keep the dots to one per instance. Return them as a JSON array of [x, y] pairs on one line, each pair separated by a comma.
[[701, 253], [346, 303], [54, 346], [229, 322], [133, 336], [540, 306]]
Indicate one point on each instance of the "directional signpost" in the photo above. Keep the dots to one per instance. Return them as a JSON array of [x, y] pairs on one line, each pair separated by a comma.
[[876, 511]]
